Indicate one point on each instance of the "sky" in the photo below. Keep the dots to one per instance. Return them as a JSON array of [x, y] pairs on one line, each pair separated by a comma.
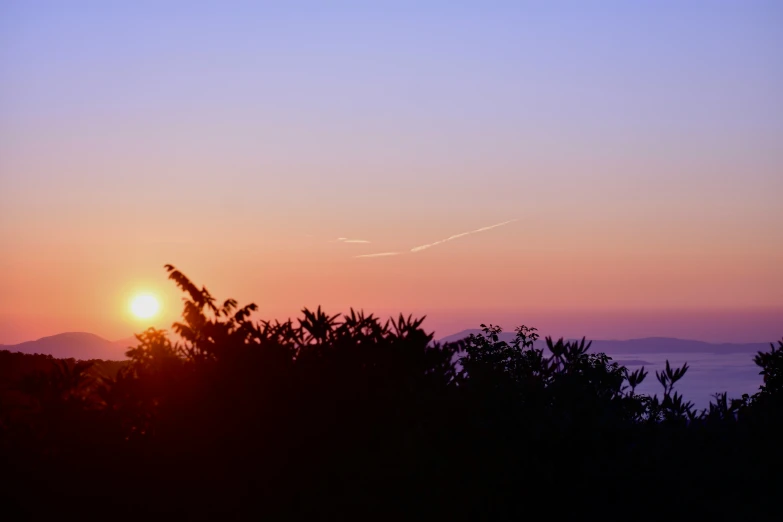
[[619, 165]]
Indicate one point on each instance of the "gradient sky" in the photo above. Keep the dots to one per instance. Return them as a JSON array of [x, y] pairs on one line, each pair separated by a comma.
[[638, 147]]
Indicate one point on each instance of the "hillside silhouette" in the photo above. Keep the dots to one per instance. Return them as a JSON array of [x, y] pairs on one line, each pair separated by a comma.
[[77, 345], [642, 345], [350, 416], [86, 346]]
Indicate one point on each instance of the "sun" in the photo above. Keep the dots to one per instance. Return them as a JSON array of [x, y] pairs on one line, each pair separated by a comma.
[[144, 306]]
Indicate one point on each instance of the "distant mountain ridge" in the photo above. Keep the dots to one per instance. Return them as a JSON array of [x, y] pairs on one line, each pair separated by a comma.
[[77, 345], [84, 345], [643, 345]]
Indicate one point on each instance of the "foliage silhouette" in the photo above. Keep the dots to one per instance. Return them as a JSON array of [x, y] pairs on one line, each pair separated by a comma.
[[337, 416]]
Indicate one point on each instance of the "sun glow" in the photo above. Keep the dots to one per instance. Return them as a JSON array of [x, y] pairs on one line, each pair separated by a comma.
[[144, 306]]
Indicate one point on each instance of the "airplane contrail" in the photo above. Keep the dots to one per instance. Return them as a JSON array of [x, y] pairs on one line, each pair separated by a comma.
[[382, 254], [346, 240], [455, 236]]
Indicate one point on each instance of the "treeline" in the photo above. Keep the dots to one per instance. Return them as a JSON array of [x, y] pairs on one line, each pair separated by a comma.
[[336, 417], [16, 365]]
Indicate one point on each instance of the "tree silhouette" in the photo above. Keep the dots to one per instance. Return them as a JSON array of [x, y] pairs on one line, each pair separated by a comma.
[[337, 416]]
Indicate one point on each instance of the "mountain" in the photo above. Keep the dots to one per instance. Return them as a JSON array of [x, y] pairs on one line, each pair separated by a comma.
[[77, 345], [645, 345], [83, 345]]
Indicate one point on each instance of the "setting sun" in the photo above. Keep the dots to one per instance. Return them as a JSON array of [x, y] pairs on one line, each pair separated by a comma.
[[144, 306]]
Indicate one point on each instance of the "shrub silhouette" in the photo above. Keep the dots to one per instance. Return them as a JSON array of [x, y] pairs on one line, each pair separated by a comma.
[[335, 416]]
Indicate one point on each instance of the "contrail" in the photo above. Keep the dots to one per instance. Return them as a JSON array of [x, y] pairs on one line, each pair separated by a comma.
[[455, 236], [346, 240], [382, 254]]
